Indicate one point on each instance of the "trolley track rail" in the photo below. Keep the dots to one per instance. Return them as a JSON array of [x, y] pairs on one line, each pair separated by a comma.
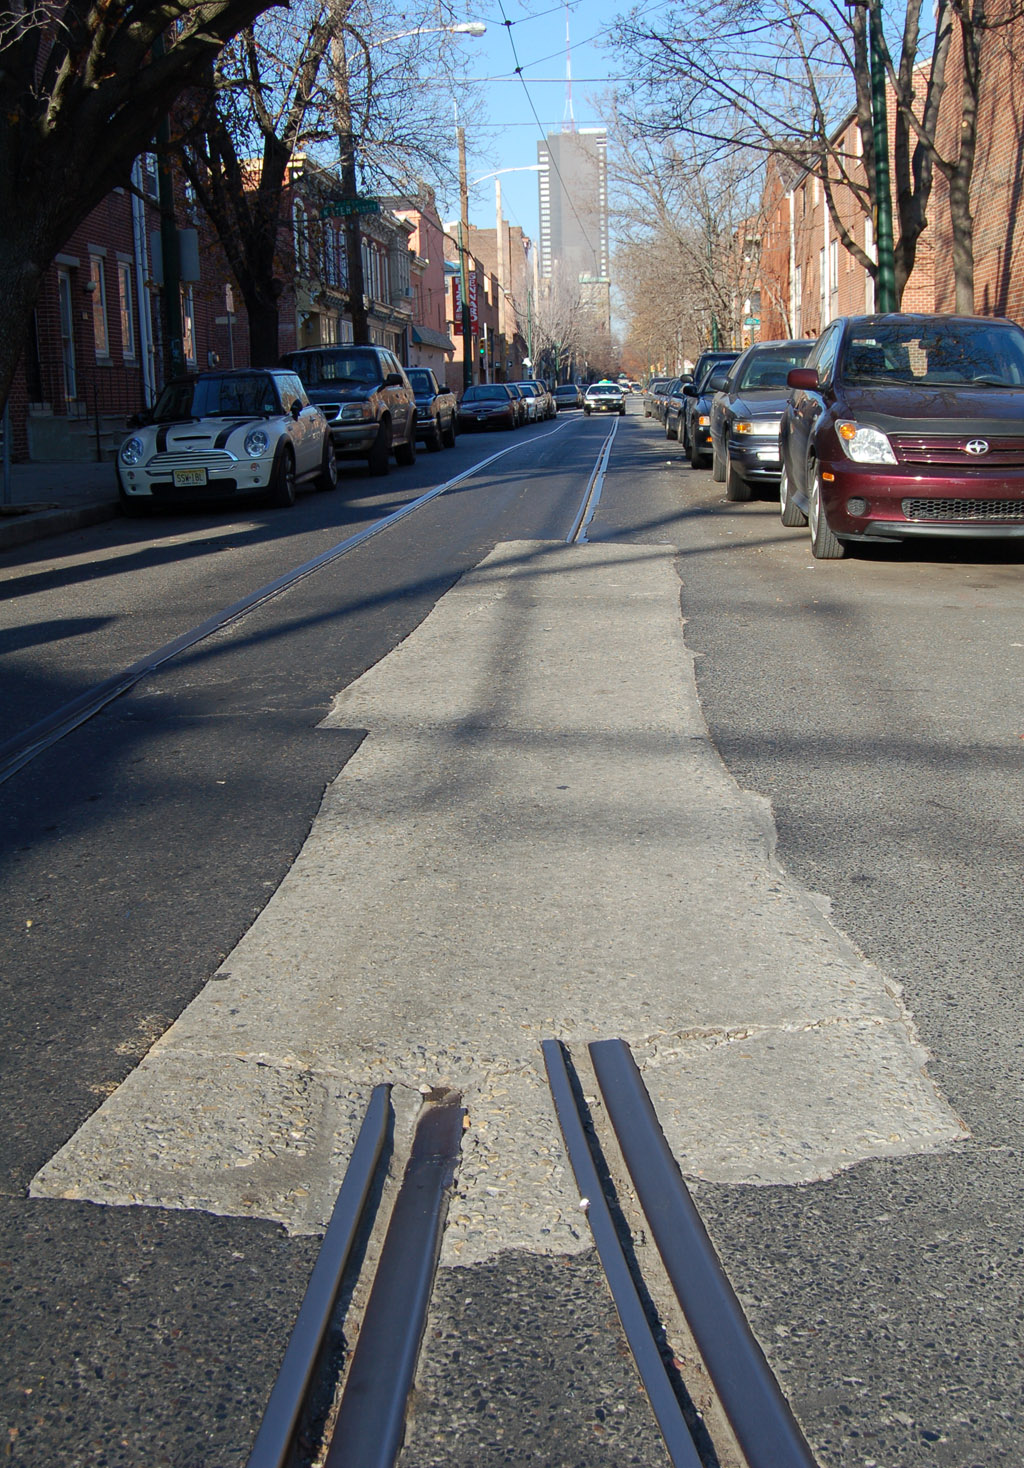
[[367, 1427], [22, 748]]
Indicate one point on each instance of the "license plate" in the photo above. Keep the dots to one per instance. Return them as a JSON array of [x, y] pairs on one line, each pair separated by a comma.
[[189, 478]]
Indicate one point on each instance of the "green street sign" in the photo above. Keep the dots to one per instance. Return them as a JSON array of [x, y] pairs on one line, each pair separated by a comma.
[[341, 208]]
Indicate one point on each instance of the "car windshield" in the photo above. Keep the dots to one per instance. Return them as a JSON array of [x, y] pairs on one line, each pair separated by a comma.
[[957, 353], [601, 391], [527, 389], [770, 369], [483, 392], [567, 390], [240, 395], [322, 369], [420, 379], [712, 364]]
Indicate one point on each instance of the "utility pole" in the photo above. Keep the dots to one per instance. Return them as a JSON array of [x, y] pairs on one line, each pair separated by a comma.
[[468, 344], [885, 282]]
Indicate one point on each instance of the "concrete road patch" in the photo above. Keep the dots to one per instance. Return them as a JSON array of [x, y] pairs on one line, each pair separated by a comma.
[[536, 838]]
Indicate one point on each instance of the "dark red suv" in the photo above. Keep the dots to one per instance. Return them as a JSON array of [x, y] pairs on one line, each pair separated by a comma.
[[906, 425]]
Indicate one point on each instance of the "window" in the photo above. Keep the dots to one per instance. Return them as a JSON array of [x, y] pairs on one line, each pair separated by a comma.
[[188, 326], [98, 290], [124, 301]]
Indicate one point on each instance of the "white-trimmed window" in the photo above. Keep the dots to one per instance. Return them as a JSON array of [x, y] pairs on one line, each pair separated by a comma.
[[125, 305], [188, 326], [98, 291]]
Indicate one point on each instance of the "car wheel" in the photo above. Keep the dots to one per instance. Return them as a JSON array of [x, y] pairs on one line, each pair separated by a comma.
[[736, 487], [379, 457], [282, 481], [328, 475], [824, 545], [132, 507], [405, 453], [433, 438], [668, 429], [448, 434], [697, 459], [790, 513], [717, 465], [622, 412]]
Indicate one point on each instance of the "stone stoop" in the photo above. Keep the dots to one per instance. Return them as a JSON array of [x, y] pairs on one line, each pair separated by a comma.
[[55, 438]]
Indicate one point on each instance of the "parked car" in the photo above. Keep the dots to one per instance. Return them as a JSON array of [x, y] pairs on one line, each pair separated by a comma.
[[545, 402], [695, 431], [220, 434], [489, 405], [437, 408], [673, 405], [529, 403], [655, 388], [604, 397], [906, 426], [567, 395], [366, 398], [747, 413]]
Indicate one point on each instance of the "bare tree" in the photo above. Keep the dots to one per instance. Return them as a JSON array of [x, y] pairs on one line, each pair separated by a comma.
[[688, 242], [329, 77], [83, 87], [786, 77]]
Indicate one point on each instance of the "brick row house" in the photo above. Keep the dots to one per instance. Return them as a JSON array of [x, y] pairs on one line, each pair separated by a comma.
[[807, 276], [96, 354]]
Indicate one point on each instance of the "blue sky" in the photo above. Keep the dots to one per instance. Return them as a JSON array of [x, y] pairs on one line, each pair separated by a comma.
[[535, 41]]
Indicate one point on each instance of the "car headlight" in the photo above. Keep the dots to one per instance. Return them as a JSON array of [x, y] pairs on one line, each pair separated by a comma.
[[257, 441], [863, 444], [132, 451], [355, 412], [761, 427]]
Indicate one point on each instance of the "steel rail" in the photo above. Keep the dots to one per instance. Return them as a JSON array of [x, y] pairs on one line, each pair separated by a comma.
[[761, 1418], [370, 1424], [274, 1441], [19, 751], [637, 1327], [592, 497]]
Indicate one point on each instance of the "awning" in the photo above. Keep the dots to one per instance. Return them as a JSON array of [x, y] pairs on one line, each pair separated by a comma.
[[426, 336]]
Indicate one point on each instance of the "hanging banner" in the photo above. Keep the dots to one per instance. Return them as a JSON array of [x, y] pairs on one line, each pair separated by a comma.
[[474, 323]]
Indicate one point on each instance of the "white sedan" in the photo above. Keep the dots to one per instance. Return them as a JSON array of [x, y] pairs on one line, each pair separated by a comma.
[[222, 434]]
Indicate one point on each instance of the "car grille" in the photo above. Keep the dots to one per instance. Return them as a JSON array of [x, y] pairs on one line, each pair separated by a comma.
[[330, 410], [1003, 453], [965, 511], [204, 459]]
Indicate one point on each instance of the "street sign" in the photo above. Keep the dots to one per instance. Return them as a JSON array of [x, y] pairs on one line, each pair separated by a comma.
[[341, 208]]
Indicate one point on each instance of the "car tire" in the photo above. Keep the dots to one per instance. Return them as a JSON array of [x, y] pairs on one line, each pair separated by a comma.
[[825, 546], [327, 478], [717, 465], [407, 452], [448, 434], [433, 438], [737, 488], [586, 412], [283, 491], [697, 459], [379, 458], [789, 513], [668, 429], [622, 412]]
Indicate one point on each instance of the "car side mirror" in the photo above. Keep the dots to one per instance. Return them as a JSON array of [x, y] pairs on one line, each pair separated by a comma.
[[803, 377], [139, 420], [689, 391], [717, 381], [296, 409], [393, 380]]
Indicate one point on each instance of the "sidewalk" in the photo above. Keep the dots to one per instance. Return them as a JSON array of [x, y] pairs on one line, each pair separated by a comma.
[[48, 499]]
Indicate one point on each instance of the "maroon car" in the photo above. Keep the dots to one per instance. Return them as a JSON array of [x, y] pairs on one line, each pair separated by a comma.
[[902, 426]]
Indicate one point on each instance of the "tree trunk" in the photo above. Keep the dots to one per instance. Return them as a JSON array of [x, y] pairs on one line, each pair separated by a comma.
[[962, 221], [26, 249]]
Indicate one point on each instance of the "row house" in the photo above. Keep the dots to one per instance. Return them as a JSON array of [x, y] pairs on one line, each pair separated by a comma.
[[808, 276], [96, 352]]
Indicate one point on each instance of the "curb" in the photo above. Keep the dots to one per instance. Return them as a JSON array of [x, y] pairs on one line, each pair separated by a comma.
[[21, 529]]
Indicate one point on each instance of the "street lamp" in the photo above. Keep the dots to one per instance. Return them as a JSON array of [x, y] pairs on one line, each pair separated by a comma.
[[885, 277]]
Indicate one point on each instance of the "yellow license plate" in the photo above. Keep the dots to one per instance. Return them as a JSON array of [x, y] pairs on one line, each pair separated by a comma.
[[189, 478]]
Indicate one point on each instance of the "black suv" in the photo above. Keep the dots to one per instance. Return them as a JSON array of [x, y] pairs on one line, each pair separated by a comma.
[[366, 398], [437, 408], [695, 429]]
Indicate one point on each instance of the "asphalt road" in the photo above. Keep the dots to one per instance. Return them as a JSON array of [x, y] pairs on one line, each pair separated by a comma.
[[875, 702]]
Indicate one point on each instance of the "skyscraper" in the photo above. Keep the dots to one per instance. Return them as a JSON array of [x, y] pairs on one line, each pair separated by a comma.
[[573, 182]]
